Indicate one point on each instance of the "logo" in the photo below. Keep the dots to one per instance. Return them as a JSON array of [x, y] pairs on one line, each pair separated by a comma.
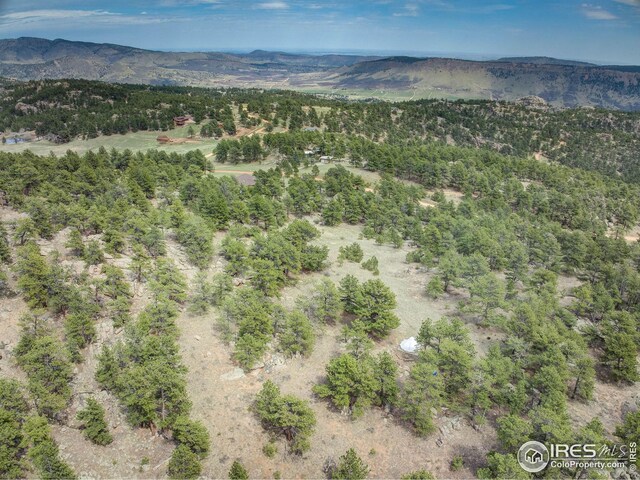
[[533, 457]]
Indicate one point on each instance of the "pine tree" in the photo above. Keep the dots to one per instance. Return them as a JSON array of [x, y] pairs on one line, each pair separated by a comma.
[[386, 371], [201, 297], [193, 434], [297, 336], [418, 475], [33, 275], [349, 288], [5, 248], [350, 467], [423, 391], [435, 287], [502, 466], [374, 303], [323, 305], [184, 464], [93, 253], [75, 243], [621, 346], [140, 265], [95, 428], [285, 415], [43, 451], [513, 431], [238, 472], [80, 330], [350, 383]]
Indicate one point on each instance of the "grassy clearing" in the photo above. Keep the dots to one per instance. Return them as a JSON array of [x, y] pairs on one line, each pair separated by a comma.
[[138, 141]]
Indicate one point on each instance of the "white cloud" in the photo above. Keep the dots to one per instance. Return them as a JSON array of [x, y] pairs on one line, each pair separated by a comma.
[[272, 6], [594, 12], [633, 3], [409, 10], [187, 3], [55, 17]]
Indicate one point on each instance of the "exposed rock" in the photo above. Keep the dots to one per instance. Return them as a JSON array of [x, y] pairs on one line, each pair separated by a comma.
[[632, 405], [234, 374], [532, 101]]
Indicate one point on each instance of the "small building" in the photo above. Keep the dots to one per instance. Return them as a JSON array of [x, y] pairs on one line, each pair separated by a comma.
[[163, 139], [182, 120], [326, 158], [246, 179]]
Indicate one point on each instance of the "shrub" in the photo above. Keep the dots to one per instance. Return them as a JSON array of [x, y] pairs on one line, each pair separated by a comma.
[[351, 253]]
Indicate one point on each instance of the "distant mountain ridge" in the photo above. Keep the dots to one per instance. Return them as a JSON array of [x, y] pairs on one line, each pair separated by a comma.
[[545, 61], [562, 83]]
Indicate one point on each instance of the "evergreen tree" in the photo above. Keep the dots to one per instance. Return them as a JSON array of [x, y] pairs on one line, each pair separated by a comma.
[[193, 434], [386, 371], [374, 303], [502, 466], [513, 431], [350, 467], [94, 426], [45, 361], [238, 472], [349, 289], [350, 384], [184, 464], [435, 287], [423, 391], [92, 254], [621, 346], [75, 243], [285, 415], [297, 335], [33, 275], [323, 305], [79, 330], [5, 248], [43, 451]]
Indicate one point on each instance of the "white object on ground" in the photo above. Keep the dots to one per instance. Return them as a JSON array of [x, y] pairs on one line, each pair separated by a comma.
[[409, 345]]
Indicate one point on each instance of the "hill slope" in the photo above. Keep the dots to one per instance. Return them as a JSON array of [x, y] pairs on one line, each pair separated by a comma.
[[562, 83], [558, 84]]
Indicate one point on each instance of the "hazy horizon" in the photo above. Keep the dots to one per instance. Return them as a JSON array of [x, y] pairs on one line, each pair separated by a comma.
[[347, 51], [602, 31]]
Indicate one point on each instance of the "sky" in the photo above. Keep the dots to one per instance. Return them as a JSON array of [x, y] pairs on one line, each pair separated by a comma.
[[602, 31]]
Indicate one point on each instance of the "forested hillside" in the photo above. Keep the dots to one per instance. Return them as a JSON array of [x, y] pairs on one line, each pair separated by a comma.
[[117, 257], [600, 140]]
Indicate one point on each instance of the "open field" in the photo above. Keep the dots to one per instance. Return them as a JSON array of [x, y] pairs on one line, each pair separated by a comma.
[[391, 95], [221, 169], [137, 141]]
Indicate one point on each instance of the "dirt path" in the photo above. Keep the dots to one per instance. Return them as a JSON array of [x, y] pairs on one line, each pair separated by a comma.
[[235, 172]]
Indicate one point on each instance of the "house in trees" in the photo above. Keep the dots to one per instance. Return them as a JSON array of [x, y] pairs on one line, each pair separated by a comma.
[[182, 120]]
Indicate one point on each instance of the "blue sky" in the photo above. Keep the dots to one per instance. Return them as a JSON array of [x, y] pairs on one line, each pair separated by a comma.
[[606, 31]]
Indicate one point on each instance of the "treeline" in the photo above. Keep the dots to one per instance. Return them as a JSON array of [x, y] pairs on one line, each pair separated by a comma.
[[600, 140]]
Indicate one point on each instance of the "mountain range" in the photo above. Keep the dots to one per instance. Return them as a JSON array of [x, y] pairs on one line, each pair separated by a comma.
[[561, 83]]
